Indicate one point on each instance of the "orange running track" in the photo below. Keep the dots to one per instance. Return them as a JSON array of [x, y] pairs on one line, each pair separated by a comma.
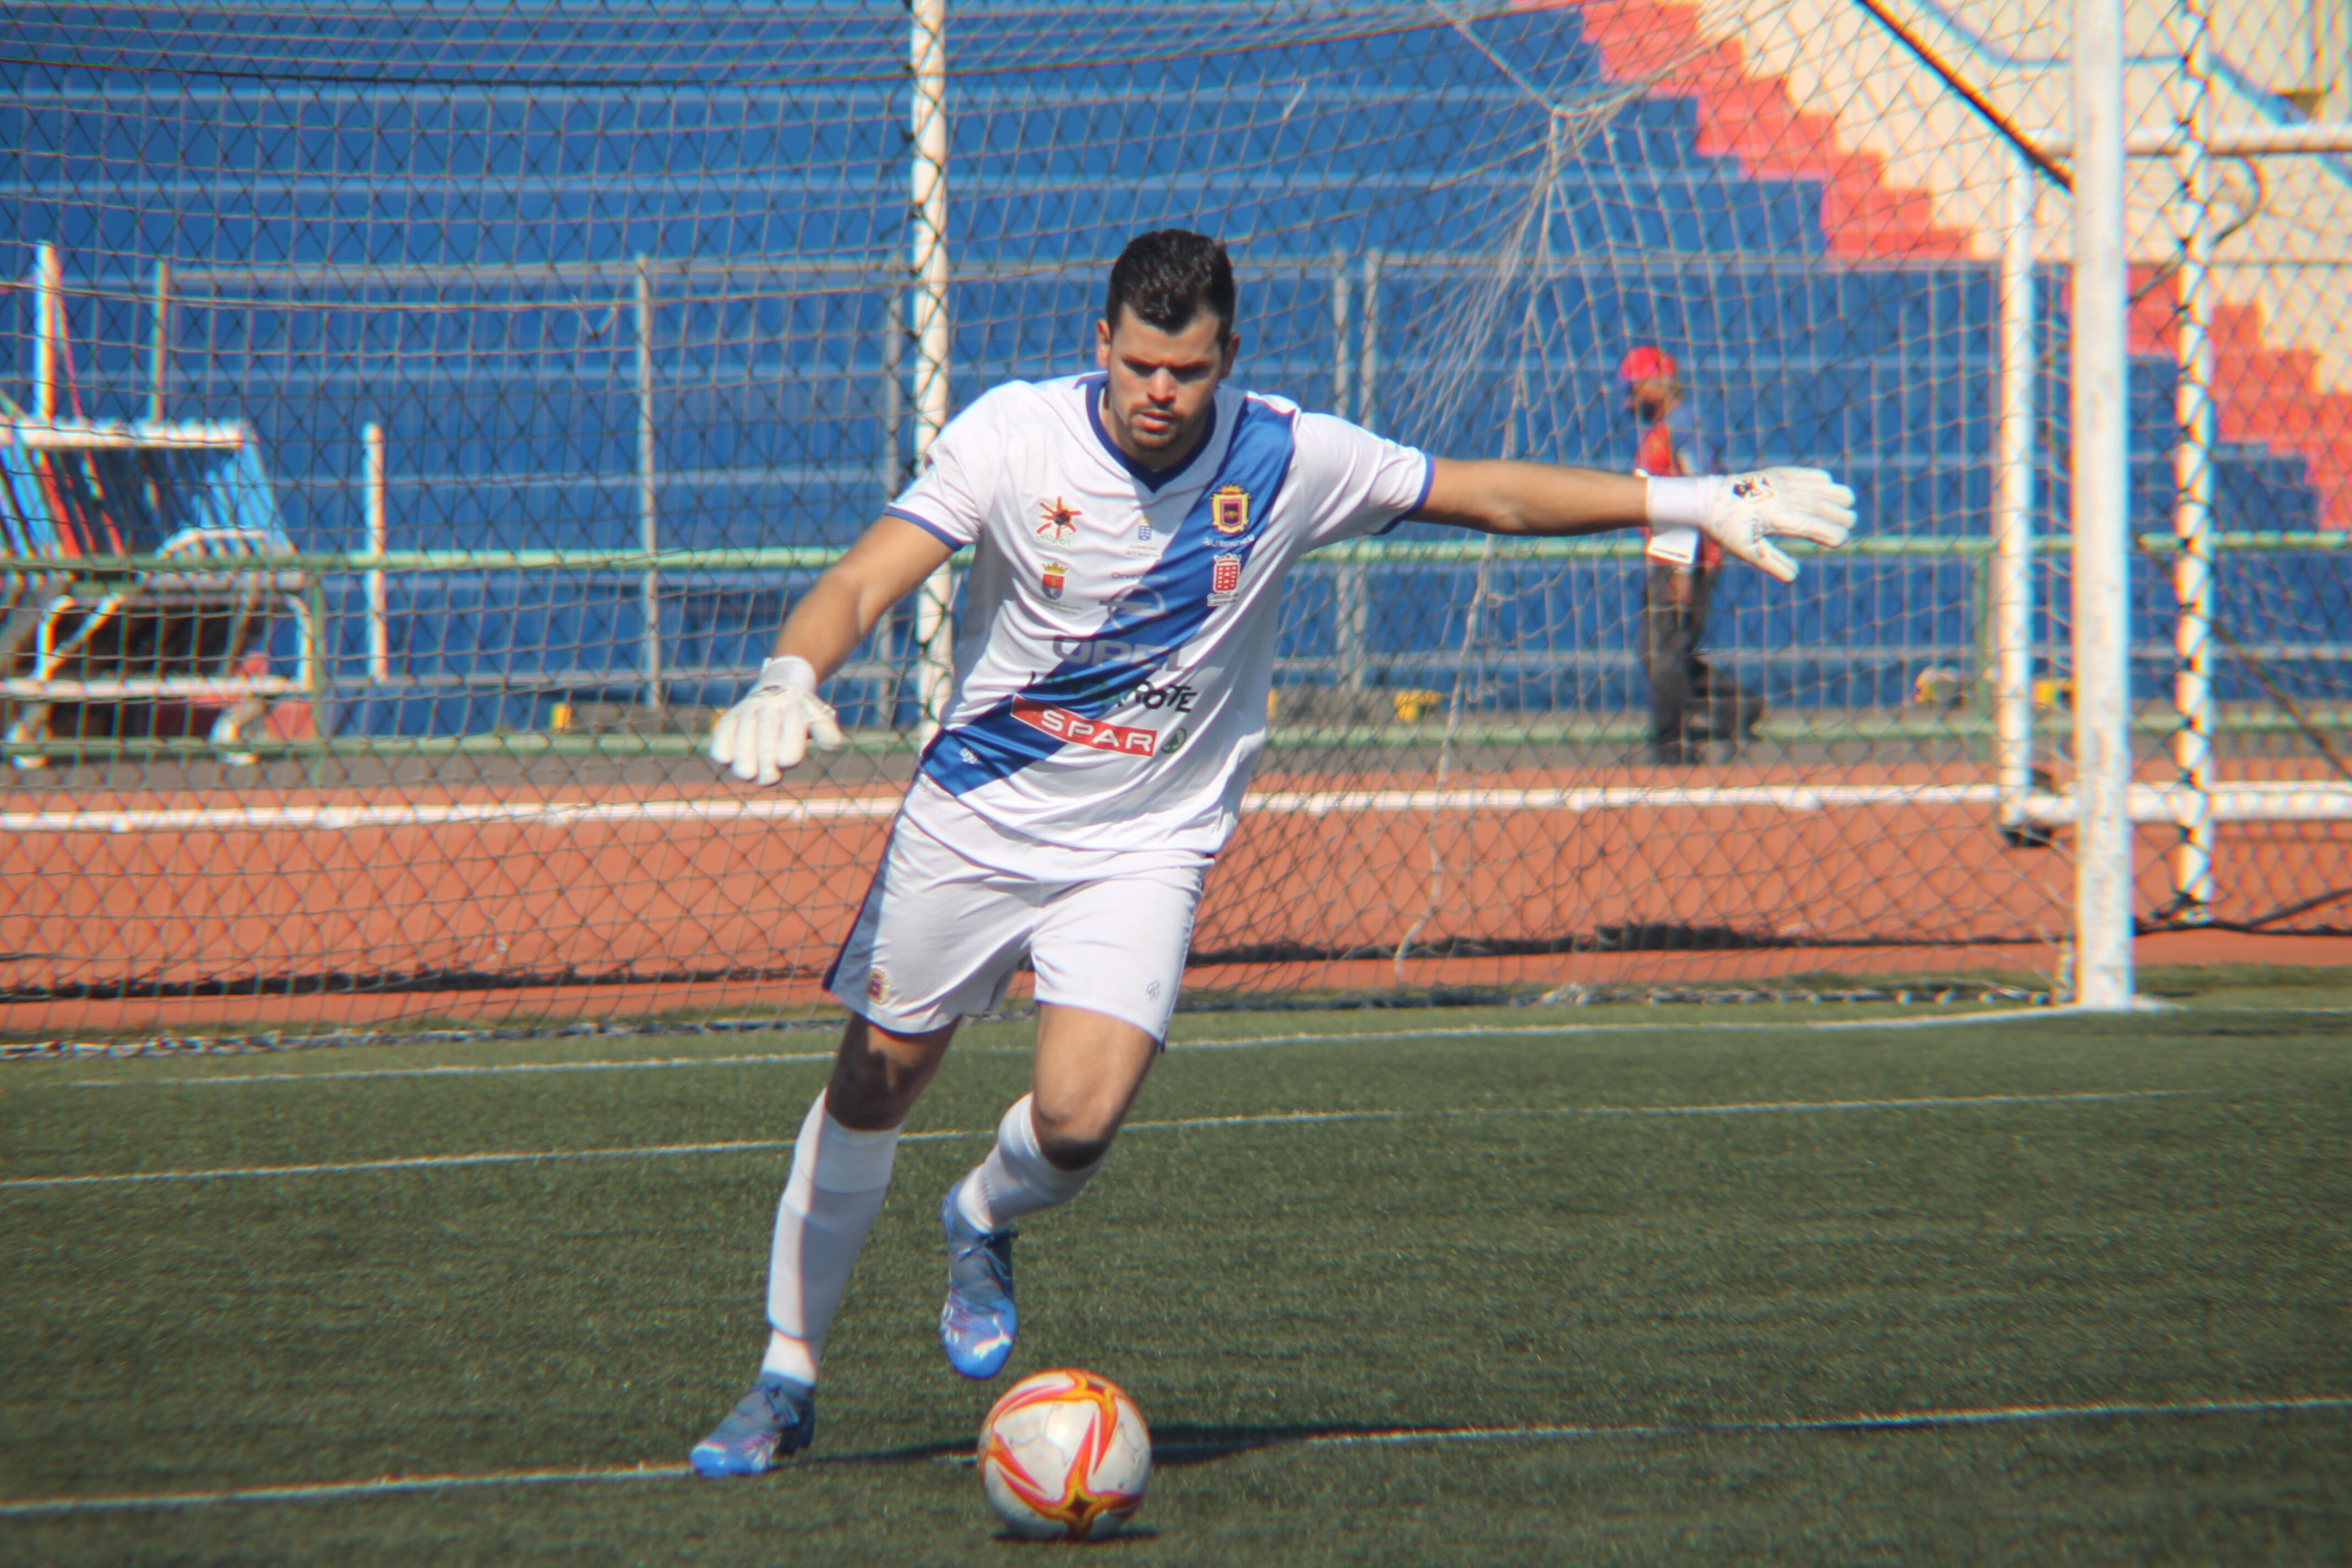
[[605, 903]]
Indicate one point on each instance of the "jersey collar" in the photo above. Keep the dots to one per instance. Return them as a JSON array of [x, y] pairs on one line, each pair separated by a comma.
[[1154, 479]]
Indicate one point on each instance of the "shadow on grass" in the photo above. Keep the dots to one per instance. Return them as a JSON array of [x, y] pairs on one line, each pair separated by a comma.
[[1170, 1445]]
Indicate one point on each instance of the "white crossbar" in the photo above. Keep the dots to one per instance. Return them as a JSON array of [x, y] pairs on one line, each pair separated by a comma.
[[90, 435], [193, 688]]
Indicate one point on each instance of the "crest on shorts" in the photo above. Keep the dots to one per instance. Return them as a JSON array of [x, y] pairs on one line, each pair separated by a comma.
[[1060, 523], [1229, 509], [878, 985], [1057, 577], [1224, 579]]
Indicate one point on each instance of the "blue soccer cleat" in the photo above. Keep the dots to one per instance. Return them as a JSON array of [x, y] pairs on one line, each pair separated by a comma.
[[977, 1324], [774, 1421]]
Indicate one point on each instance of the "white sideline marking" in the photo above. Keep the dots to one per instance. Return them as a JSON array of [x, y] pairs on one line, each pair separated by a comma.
[[1893, 1421], [2252, 801], [318, 1492], [2013, 1014], [1403, 1437], [600, 1065], [339, 1073], [530, 1156]]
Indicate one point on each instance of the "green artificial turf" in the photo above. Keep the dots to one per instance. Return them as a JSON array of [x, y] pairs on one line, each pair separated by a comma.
[[1259, 1287]]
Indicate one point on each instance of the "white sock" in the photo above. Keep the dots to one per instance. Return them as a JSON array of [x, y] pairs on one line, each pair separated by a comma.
[[1016, 1178], [830, 1201]]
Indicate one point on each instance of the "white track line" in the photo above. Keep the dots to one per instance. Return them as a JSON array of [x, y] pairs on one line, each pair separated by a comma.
[[1403, 1437], [726, 810], [2020, 1015], [2257, 800], [652, 1150]]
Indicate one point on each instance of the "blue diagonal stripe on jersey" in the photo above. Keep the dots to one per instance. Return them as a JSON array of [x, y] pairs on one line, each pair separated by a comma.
[[1164, 611]]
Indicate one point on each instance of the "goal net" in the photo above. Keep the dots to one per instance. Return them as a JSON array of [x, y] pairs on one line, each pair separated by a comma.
[[573, 342]]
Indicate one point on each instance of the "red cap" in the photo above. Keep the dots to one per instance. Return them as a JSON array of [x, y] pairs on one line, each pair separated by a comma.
[[1648, 362]]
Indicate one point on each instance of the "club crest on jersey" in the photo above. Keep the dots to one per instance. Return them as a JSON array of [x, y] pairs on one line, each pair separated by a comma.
[[1142, 545], [1060, 523], [1224, 579], [1229, 509], [1055, 577]]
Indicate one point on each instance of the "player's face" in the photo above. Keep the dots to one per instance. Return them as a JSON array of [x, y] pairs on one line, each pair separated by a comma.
[[1160, 384]]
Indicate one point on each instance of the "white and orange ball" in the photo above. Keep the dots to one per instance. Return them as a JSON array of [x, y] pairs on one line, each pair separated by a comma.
[[1065, 1455]]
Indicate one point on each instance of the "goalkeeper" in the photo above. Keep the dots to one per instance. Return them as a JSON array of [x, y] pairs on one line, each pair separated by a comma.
[[1680, 580], [1131, 530]]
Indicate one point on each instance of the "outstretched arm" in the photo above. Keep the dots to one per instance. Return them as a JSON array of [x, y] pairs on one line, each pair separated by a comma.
[[856, 592], [1533, 498], [771, 729], [1742, 512]]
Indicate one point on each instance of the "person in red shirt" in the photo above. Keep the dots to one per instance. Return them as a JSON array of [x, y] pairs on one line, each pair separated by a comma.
[[1675, 593]]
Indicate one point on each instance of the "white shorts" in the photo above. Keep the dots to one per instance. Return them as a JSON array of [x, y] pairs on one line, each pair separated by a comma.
[[940, 935]]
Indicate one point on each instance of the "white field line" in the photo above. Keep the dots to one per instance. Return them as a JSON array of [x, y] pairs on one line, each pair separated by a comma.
[[1893, 1421], [652, 1151], [2012, 1014], [1402, 1436], [457, 1071], [2257, 800], [330, 1075]]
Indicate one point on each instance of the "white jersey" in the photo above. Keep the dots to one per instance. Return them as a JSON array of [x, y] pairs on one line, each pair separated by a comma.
[[1116, 637]]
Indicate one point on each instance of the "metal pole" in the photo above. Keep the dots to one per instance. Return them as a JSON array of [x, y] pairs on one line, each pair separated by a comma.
[[927, 191], [890, 473], [1353, 605], [49, 286], [648, 514], [891, 470], [2192, 516], [2103, 843], [1348, 600], [160, 355], [1343, 308], [1368, 374], [2014, 564], [378, 542]]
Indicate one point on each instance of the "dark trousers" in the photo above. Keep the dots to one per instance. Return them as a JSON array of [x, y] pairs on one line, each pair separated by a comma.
[[1674, 619]]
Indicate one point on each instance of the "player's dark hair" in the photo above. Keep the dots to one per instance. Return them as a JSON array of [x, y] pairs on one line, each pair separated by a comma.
[[1169, 276]]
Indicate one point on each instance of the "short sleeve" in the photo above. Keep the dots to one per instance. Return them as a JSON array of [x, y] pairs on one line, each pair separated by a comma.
[[949, 499], [1353, 482]]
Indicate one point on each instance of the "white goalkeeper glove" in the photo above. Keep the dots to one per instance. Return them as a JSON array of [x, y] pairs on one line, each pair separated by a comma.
[[773, 727], [1745, 512]]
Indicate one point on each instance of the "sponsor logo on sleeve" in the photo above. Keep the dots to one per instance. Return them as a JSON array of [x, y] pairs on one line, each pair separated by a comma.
[[1080, 731], [1224, 579], [1060, 525], [1229, 509], [1057, 577]]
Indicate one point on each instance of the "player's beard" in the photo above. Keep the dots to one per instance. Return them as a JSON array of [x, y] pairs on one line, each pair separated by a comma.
[[1175, 436]]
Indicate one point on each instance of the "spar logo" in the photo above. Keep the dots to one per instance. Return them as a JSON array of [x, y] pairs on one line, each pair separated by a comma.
[[1080, 731], [1224, 579]]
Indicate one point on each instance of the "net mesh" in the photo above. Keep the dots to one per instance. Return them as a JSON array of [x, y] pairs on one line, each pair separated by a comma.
[[614, 278]]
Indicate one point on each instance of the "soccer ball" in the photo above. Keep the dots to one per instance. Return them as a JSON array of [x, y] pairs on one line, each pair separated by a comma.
[[1065, 1455]]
